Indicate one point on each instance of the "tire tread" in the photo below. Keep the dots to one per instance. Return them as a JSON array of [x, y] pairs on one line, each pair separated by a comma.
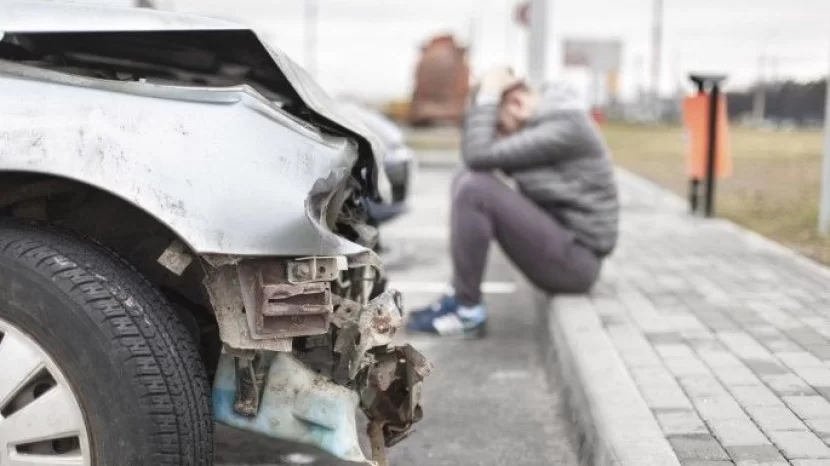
[[143, 328]]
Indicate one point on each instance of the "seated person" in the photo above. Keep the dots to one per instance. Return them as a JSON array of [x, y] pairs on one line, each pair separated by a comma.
[[560, 223]]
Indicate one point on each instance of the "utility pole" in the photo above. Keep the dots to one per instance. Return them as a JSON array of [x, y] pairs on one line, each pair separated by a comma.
[[765, 62], [656, 56], [311, 37], [537, 42], [774, 62], [759, 102], [640, 73], [824, 207], [677, 90]]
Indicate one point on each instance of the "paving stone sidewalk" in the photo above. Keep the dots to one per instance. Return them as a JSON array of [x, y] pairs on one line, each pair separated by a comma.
[[725, 334]]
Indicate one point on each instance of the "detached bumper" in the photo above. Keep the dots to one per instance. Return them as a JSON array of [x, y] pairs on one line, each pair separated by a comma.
[[297, 405], [310, 392]]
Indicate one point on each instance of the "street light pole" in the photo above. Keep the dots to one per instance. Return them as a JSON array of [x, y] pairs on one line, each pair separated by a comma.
[[824, 207], [311, 37], [656, 56], [537, 42], [759, 102]]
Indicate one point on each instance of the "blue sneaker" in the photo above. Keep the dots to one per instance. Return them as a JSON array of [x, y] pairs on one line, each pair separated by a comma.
[[447, 317]]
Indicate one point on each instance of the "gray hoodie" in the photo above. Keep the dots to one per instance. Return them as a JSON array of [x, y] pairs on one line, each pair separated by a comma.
[[559, 160]]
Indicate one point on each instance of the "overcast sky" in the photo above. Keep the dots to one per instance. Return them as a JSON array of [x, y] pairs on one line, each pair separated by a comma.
[[372, 45]]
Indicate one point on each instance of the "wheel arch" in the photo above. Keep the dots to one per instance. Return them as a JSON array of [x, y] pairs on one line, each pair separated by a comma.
[[111, 220]]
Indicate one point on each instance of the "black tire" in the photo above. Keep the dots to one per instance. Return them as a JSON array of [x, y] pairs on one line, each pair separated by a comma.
[[133, 366]]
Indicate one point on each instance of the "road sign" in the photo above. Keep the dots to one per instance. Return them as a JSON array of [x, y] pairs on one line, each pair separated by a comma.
[[598, 55]]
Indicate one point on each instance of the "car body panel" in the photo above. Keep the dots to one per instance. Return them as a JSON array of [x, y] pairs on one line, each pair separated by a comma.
[[129, 138], [237, 151], [166, 155], [30, 16], [297, 405]]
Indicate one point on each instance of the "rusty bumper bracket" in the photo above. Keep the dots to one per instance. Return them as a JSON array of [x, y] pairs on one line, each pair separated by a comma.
[[298, 309], [388, 377], [393, 392]]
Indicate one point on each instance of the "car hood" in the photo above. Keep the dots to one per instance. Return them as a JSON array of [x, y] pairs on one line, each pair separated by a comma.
[[321, 103], [31, 16]]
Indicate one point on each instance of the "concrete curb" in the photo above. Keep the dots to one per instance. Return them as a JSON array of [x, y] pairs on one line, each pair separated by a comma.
[[614, 424]]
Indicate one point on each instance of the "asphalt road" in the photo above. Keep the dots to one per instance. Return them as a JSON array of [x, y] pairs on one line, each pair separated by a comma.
[[489, 401]]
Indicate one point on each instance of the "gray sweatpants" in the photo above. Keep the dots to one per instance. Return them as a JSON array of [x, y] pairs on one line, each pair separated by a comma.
[[484, 208]]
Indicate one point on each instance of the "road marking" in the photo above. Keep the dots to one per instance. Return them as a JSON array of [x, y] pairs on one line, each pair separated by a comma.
[[298, 458], [441, 287], [509, 375]]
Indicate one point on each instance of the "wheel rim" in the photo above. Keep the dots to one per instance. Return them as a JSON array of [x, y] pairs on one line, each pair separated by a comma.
[[41, 422]]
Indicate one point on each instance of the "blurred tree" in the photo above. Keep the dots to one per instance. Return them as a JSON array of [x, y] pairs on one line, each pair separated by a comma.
[[788, 101]]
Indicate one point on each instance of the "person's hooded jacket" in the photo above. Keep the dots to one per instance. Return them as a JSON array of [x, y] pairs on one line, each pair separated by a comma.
[[559, 160]]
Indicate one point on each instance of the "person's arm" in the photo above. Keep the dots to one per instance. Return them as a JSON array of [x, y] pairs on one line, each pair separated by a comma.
[[541, 144]]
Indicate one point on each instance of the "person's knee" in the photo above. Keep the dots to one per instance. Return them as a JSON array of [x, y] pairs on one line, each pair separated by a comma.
[[583, 284], [578, 279], [473, 186]]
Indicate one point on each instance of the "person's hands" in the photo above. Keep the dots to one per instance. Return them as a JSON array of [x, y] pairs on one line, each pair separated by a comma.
[[496, 80]]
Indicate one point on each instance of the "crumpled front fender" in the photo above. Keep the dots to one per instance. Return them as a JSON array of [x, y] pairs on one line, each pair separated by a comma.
[[226, 170]]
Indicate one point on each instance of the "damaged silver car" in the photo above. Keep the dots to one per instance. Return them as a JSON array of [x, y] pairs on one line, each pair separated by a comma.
[[183, 239]]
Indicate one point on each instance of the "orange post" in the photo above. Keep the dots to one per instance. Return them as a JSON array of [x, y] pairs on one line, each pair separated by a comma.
[[696, 121], [707, 129]]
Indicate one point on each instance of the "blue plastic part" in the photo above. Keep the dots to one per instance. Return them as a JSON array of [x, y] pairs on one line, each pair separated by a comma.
[[297, 405]]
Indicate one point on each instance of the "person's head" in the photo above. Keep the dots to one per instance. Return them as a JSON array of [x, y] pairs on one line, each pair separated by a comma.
[[518, 105]]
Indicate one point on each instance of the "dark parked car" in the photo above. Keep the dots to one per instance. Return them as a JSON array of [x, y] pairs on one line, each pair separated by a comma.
[[400, 162]]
